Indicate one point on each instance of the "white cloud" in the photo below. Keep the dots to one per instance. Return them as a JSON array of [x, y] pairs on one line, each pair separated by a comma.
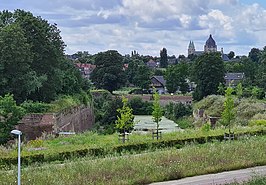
[[149, 25]]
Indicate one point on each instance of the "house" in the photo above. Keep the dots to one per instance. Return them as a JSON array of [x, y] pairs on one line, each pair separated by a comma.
[[158, 83], [233, 78], [152, 64], [85, 69]]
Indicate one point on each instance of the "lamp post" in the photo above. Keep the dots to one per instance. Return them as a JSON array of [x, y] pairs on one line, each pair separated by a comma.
[[18, 133]]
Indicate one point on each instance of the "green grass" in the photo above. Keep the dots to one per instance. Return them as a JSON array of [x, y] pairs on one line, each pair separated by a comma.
[[149, 167], [93, 140]]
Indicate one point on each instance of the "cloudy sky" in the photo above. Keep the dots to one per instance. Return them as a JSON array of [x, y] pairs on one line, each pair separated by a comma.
[[149, 25]]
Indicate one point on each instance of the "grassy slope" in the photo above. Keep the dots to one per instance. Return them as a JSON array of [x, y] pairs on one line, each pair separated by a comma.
[[150, 167], [90, 140]]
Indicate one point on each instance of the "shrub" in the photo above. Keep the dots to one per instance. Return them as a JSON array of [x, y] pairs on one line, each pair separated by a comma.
[[206, 127], [213, 105], [36, 107], [140, 107], [175, 111], [37, 143], [185, 122], [257, 123]]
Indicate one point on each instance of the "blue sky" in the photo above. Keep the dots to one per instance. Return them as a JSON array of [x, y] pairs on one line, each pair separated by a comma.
[[149, 25]]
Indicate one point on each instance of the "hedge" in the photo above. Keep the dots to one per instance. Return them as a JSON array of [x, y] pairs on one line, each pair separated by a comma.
[[127, 147]]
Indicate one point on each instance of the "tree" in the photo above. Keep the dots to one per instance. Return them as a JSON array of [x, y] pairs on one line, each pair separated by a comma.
[[176, 77], [108, 73], [208, 72], [163, 60], [125, 121], [142, 77], [15, 64], [157, 112], [231, 55], [228, 113], [32, 54], [239, 91], [10, 114], [254, 55]]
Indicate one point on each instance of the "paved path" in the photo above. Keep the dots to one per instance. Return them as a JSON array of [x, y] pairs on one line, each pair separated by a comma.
[[219, 178]]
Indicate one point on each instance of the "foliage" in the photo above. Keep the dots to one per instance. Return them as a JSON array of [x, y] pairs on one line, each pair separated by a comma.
[[212, 105], [64, 102], [163, 58], [35, 107], [105, 111], [185, 122], [37, 143], [158, 165], [239, 91], [208, 72], [157, 112], [228, 113], [36, 48], [140, 107], [10, 114], [125, 121], [142, 77], [176, 78], [108, 73], [206, 127], [261, 122], [175, 111]]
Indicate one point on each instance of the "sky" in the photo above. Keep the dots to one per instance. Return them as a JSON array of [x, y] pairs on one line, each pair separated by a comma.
[[147, 26]]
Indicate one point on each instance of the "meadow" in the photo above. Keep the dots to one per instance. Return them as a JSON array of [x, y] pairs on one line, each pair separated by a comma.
[[151, 166]]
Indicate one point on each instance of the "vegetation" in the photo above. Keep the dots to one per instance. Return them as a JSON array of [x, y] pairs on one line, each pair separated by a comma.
[[140, 107], [228, 113], [157, 112], [150, 167], [36, 48], [208, 72], [10, 114], [125, 121], [108, 73]]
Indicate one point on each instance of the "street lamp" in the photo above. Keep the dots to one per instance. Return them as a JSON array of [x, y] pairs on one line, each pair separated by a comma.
[[19, 133]]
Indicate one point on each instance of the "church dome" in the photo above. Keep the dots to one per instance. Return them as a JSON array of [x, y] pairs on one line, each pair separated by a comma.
[[210, 43]]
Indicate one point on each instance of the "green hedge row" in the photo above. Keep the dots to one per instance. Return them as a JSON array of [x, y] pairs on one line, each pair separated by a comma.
[[127, 147]]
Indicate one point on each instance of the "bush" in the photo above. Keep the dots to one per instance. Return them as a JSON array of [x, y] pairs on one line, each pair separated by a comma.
[[185, 122], [140, 107], [213, 105], [37, 143], [257, 123], [175, 111], [35, 107]]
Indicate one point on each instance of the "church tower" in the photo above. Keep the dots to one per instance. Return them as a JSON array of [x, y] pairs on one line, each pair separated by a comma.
[[210, 45], [191, 48]]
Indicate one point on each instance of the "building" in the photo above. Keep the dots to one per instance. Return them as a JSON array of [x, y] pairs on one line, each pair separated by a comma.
[[233, 79], [85, 69], [210, 46], [158, 82]]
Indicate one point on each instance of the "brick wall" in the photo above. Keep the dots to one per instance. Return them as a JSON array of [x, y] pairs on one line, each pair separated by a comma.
[[77, 119]]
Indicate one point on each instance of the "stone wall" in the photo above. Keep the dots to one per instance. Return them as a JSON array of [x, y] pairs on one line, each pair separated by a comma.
[[77, 119]]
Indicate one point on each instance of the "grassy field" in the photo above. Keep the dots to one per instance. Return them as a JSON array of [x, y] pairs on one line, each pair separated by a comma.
[[257, 180], [160, 165], [91, 140]]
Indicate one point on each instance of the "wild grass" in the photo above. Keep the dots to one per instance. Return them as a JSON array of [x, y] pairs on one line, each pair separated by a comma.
[[256, 180], [149, 167], [93, 140]]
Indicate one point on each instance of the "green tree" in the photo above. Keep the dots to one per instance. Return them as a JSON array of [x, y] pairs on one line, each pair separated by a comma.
[[231, 54], [38, 57], [142, 77], [157, 112], [208, 72], [10, 114], [108, 73], [228, 113], [239, 91], [176, 77], [254, 54], [125, 121], [163, 60]]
